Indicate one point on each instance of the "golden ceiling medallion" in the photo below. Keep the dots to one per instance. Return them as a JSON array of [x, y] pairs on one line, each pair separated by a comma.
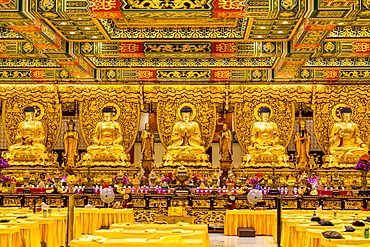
[[268, 47], [28, 48], [329, 47], [305, 73], [335, 112], [63, 74], [256, 111], [288, 4], [86, 47], [46, 5]]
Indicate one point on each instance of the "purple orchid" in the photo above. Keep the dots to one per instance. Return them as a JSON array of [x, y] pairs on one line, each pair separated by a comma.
[[363, 165], [5, 179], [4, 163], [253, 180], [313, 180], [165, 179]]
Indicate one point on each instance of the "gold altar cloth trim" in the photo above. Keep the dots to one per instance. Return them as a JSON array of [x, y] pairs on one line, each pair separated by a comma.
[[143, 243], [120, 234], [169, 227]]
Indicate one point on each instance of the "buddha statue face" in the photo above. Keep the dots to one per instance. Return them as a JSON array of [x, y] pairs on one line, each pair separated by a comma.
[[265, 116], [70, 126], [224, 127], [147, 127], [107, 116], [346, 117], [29, 115], [302, 125], [186, 116]]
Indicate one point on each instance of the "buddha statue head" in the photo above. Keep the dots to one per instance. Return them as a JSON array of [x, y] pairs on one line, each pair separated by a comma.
[[345, 114], [71, 125], [147, 127], [107, 113], [264, 113], [302, 125], [186, 113], [225, 127], [29, 113]]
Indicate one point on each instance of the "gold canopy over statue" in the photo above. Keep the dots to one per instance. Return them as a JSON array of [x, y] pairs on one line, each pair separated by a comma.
[[186, 146], [107, 148], [265, 144], [345, 144]]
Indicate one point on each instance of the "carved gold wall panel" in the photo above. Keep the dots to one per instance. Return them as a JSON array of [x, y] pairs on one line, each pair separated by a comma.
[[204, 113], [327, 101], [126, 113], [48, 111], [245, 114]]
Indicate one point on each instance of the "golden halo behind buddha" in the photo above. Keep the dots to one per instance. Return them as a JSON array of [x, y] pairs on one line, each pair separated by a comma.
[[193, 108], [257, 109], [335, 112]]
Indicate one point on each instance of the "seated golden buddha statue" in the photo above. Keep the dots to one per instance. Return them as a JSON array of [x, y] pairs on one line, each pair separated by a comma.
[[29, 141], [31, 135], [345, 145], [107, 140], [265, 143], [186, 143]]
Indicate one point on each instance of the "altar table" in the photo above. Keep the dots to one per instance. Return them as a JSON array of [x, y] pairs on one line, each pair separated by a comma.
[[10, 236], [264, 222], [93, 219]]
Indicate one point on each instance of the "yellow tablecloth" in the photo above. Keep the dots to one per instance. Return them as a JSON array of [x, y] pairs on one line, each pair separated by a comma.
[[121, 234], [149, 243], [29, 233], [93, 219], [48, 230], [348, 240], [264, 222], [10, 236], [159, 227]]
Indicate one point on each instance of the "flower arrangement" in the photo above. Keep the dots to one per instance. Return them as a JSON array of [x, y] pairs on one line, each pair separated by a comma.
[[5, 179], [313, 180], [363, 165], [253, 180], [4, 163]]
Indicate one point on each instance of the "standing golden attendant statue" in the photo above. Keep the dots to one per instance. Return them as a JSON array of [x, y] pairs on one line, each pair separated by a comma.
[[186, 146], [302, 141], [226, 151], [70, 141], [346, 146], [107, 148], [147, 150], [265, 147]]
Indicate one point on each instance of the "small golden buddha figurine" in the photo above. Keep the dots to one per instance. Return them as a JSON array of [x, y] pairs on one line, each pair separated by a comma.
[[265, 136], [344, 136], [147, 143], [107, 135], [186, 135], [70, 141], [186, 146], [31, 135], [226, 143], [302, 141]]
